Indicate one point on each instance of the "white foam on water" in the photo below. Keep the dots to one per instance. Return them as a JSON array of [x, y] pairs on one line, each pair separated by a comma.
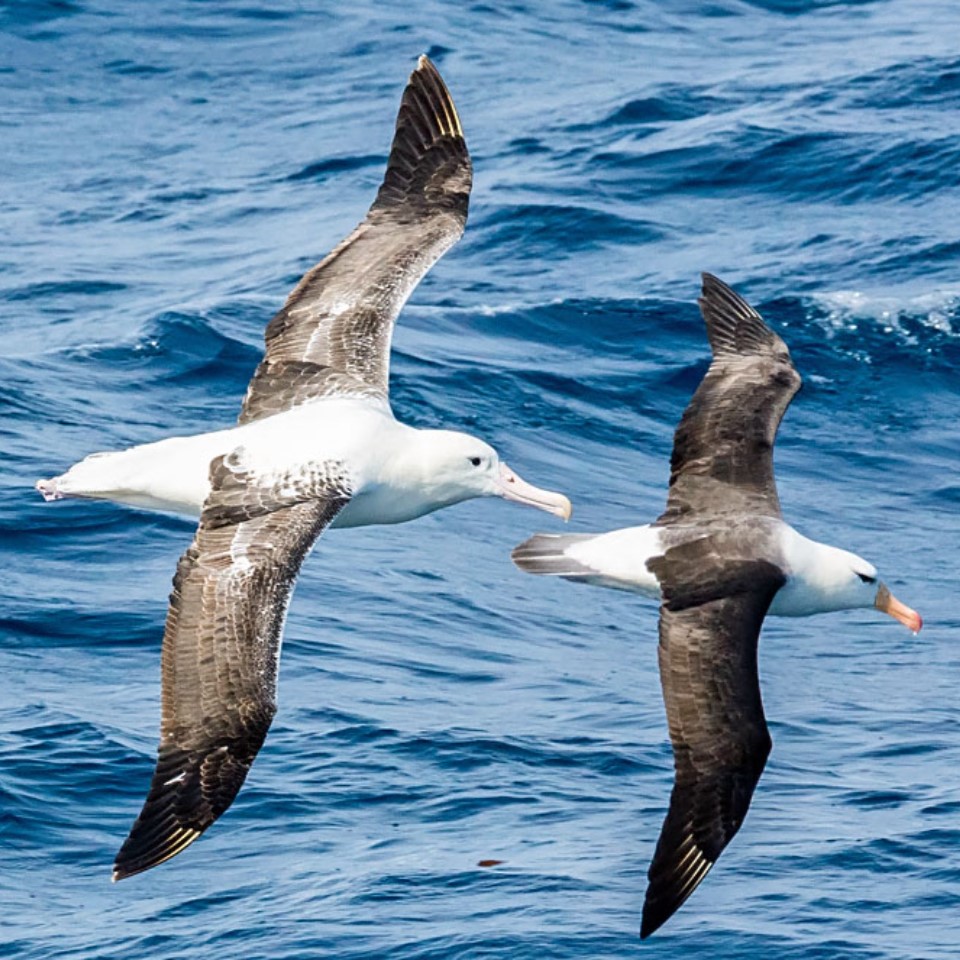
[[937, 310]]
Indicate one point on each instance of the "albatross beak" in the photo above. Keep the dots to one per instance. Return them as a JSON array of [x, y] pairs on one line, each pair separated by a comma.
[[511, 487], [888, 603]]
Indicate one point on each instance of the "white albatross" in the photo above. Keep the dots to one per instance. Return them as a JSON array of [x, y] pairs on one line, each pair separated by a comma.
[[719, 559], [317, 445]]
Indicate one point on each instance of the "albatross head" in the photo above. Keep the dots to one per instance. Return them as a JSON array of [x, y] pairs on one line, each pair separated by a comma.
[[458, 467], [828, 578], [863, 585]]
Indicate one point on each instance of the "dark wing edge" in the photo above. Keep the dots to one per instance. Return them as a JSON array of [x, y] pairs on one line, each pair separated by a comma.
[[428, 148], [708, 671], [333, 334], [722, 459], [734, 328], [221, 649]]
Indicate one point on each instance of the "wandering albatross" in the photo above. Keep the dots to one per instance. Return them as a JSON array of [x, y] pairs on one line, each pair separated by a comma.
[[719, 559], [317, 445]]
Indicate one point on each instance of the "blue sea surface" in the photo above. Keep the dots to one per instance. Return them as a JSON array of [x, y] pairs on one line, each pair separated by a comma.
[[169, 170]]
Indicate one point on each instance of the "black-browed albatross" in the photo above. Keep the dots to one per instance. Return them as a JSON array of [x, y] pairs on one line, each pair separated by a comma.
[[317, 445], [719, 559]]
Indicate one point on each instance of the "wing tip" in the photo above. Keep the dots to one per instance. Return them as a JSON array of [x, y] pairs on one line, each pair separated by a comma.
[[667, 893], [160, 830], [734, 327], [429, 163], [652, 920], [439, 98], [648, 926], [136, 856], [719, 295], [708, 279]]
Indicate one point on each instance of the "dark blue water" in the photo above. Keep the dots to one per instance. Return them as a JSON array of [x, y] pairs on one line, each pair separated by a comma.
[[168, 171]]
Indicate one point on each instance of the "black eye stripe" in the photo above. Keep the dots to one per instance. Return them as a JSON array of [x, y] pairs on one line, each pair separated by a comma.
[[865, 578]]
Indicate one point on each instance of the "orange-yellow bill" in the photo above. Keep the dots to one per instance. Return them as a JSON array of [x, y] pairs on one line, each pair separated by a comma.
[[888, 603]]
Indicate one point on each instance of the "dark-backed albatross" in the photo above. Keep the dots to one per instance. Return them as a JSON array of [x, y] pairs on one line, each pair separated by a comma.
[[317, 445], [719, 559]]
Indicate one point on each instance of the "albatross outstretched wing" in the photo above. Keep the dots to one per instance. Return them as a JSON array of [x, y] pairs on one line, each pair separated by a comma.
[[333, 334], [710, 623], [722, 463], [221, 647]]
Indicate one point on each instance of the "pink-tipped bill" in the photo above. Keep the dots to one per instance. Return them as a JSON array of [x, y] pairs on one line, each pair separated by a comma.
[[513, 488]]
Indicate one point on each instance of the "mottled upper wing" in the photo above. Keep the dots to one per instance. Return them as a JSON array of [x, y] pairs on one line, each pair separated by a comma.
[[710, 622], [333, 334], [221, 647], [722, 461]]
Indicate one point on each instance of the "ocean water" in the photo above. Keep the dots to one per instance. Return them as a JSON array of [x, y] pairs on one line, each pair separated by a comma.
[[170, 169]]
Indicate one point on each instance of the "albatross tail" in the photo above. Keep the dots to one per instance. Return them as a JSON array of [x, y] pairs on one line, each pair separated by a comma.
[[546, 554], [170, 475], [91, 478], [617, 559]]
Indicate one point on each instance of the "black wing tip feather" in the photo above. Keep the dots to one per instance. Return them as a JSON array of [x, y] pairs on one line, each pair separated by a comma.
[[715, 293], [130, 863], [189, 792], [437, 99], [673, 878], [160, 831], [429, 161], [733, 326]]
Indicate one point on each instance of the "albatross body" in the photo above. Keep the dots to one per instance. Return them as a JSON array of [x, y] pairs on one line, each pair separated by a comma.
[[316, 446], [394, 472], [719, 559]]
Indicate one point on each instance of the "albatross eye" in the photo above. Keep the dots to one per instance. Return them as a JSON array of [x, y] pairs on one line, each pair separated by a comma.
[[475, 461], [865, 578]]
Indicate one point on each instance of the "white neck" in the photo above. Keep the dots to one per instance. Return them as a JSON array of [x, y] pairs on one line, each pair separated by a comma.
[[403, 484], [820, 578]]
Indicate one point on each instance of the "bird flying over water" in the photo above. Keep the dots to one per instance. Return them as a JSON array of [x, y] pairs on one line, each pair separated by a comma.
[[316, 446], [719, 559]]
